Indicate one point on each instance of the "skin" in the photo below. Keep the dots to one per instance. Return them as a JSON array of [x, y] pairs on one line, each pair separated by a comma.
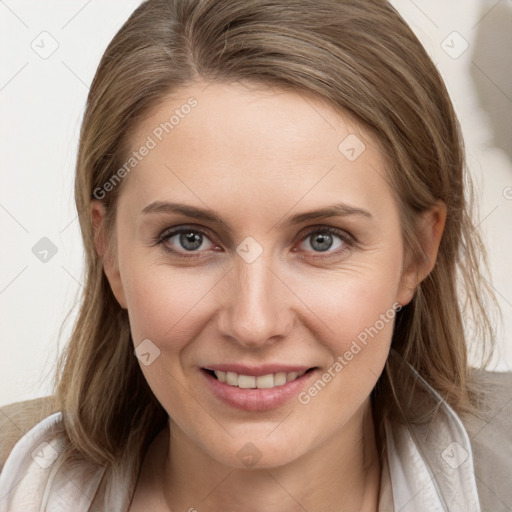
[[257, 155]]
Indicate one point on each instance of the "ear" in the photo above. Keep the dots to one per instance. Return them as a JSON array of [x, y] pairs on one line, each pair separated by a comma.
[[429, 229], [109, 261]]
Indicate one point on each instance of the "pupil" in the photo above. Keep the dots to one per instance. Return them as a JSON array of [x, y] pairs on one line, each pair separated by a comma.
[[321, 242], [190, 241]]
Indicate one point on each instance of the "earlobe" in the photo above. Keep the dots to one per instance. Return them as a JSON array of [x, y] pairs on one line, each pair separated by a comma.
[[429, 228], [110, 266]]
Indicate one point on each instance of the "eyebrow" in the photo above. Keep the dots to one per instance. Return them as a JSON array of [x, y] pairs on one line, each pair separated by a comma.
[[335, 210]]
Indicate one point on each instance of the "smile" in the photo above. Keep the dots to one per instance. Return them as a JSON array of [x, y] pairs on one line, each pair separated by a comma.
[[256, 389], [268, 381]]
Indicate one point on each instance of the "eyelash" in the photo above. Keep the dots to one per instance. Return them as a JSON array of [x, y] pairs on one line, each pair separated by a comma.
[[345, 237]]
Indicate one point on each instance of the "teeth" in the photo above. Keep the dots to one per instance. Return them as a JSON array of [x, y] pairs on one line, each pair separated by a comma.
[[271, 380], [246, 381], [264, 381], [232, 378], [291, 376], [280, 379]]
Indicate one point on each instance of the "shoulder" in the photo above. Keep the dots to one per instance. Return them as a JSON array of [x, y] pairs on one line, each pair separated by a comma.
[[490, 434], [29, 453], [18, 418], [495, 404], [35, 472]]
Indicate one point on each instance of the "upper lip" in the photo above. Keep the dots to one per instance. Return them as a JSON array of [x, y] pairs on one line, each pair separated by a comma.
[[257, 371]]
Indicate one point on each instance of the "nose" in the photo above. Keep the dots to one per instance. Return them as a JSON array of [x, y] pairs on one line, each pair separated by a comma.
[[257, 306]]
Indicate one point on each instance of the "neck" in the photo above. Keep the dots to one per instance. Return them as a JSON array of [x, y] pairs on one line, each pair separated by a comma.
[[343, 472]]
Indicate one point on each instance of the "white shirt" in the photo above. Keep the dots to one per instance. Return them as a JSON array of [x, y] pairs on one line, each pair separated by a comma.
[[429, 469]]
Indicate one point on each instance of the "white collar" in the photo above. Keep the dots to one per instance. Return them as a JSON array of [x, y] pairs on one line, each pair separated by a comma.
[[430, 463]]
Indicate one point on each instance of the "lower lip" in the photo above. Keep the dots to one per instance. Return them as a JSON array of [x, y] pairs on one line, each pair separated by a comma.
[[257, 399]]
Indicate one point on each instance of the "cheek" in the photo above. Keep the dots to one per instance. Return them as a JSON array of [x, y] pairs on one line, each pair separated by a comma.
[[170, 307], [356, 310], [165, 303], [356, 327], [357, 319], [355, 298]]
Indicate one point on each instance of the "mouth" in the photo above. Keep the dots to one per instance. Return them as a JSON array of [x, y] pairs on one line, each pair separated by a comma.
[[267, 381], [257, 389]]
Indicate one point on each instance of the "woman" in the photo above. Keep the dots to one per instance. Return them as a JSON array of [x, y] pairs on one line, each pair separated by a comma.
[[271, 196]]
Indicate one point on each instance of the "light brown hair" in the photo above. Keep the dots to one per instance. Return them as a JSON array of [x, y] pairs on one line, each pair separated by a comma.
[[363, 60]]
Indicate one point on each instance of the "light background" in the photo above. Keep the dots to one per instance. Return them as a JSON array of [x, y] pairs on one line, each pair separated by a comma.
[[41, 104]]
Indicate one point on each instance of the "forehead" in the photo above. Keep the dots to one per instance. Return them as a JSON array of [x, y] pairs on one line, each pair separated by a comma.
[[235, 142], [252, 116]]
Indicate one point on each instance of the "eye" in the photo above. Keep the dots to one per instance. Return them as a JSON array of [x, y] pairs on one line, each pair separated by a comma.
[[188, 241], [185, 239], [326, 240]]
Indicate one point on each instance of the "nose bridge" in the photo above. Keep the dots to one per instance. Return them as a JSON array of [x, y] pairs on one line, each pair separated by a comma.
[[256, 308]]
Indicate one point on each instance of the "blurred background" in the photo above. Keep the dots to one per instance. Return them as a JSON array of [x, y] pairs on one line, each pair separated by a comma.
[[50, 53]]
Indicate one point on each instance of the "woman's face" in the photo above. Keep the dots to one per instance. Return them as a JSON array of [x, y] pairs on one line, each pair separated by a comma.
[[257, 235]]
